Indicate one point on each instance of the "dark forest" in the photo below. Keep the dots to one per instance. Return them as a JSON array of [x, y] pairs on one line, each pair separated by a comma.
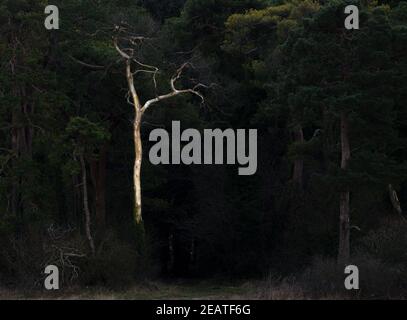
[[79, 105]]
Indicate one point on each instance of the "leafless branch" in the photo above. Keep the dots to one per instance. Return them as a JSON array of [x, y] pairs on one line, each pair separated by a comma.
[[92, 66], [175, 91], [145, 68]]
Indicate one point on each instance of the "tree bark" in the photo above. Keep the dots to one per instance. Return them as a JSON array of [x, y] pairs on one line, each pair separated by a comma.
[[98, 170], [21, 145], [21, 133], [344, 206], [15, 149], [86, 205], [138, 148]]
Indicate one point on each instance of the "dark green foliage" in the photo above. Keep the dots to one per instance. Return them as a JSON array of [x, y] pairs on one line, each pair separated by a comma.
[[278, 66], [115, 265]]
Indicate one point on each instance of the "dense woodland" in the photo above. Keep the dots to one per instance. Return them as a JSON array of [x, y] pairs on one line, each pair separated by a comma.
[[329, 104]]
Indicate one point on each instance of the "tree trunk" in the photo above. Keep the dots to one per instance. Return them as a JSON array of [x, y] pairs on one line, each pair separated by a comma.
[[344, 207], [298, 163], [61, 195], [98, 170], [86, 205], [138, 148], [21, 145], [394, 200], [139, 110], [15, 149], [137, 217], [76, 199], [138, 157]]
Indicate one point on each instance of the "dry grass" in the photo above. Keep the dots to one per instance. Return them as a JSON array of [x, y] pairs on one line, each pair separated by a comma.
[[253, 290]]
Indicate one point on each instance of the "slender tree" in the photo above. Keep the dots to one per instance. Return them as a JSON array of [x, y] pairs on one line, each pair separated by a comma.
[[140, 108]]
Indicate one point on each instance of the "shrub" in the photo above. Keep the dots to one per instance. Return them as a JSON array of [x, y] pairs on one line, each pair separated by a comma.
[[23, 259], [389, 243], [322, 278], [277, 289], [377, 279], [113, 266]]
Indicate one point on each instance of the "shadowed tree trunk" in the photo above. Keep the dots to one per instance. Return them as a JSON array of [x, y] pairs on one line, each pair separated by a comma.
[[344, 206], [395, 202], [298, 162], [21, 144], [98, 171], [86, 205]]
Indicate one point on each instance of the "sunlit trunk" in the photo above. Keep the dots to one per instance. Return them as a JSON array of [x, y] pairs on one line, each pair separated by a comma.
[[138, 148], [139, 110]]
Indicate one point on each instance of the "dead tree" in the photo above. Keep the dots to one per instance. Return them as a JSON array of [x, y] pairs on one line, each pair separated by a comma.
[[130, 59]]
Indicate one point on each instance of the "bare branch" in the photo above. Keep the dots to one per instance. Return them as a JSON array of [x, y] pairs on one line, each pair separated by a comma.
[[175, 91], [92, 66], [129, 58], [130, 81], [120, 51], [130, 75]]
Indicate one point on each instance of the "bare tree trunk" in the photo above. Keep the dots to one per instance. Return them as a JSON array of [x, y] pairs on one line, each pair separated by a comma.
[[344, 206], [86, 205], [138, 148], [139, 110], [298, 163]]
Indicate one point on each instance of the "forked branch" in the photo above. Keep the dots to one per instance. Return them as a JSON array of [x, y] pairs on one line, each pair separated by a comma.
[[145, 68]]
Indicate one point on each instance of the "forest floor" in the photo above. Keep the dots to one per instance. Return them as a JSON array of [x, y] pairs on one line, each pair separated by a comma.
[[182, 290], [147, 291]]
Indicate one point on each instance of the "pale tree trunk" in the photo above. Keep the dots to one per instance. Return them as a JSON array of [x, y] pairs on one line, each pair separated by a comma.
[[344, 206], [138, 149], [86, 205], [139, 110], [299, 162]]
